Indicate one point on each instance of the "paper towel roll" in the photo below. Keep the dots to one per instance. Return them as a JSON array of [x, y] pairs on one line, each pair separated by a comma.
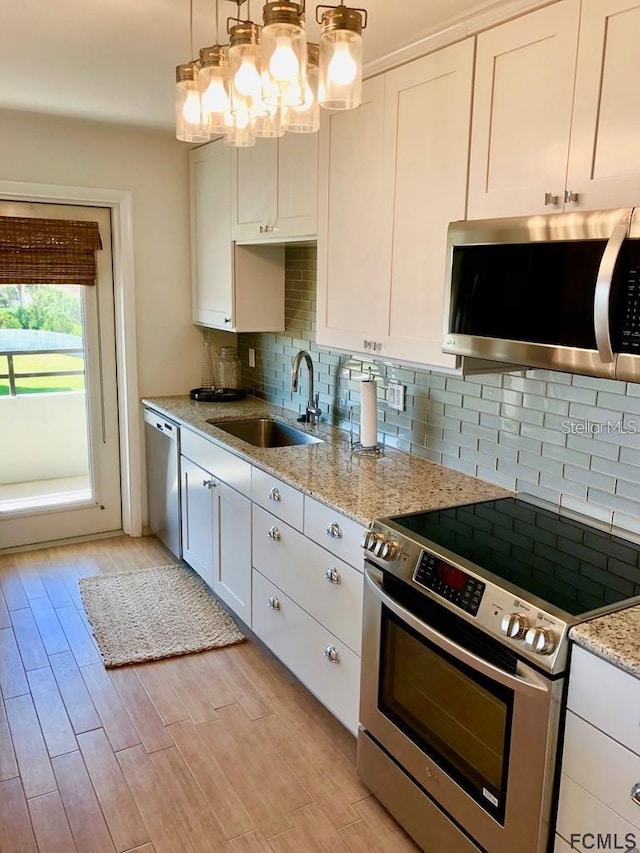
[[368, 413]]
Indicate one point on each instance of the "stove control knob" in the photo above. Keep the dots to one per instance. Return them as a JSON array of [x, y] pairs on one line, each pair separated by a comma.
[[540, 640], [388, 550], [514, 625], [371, 539]]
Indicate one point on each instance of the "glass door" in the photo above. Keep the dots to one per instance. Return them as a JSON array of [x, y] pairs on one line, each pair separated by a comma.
[[460, 718], [59, 453]]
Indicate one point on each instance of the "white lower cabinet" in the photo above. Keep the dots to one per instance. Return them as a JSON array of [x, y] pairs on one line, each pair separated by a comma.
[[326, 587], [232, 556], [600, 782], [216, 520], [197, 518], [300, 592], [320, 660]]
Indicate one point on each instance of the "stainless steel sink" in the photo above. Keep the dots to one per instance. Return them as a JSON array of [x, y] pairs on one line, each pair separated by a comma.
[[265, 432]]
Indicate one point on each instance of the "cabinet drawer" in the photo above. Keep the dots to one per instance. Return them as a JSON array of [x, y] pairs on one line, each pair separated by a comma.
[[300, 642], [326, 587], [278, 497], [334, 531], [602, 766], [605, 696], [581, 815], [218, 461]]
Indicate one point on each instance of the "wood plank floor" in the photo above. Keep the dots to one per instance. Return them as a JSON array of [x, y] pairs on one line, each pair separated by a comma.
[[222, 750]]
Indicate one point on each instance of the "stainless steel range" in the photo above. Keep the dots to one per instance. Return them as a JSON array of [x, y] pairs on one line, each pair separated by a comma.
[[466, 617]]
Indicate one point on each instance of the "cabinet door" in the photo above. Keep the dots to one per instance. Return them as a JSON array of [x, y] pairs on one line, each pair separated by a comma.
[[197, 518], [255, 172], [523, 96], [427, 123], [354, 225], [232, 551], [211, 247], [604, 158], [297, 196]]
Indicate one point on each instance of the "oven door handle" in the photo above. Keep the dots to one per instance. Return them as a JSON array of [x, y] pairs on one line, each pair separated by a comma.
[[532, 685]]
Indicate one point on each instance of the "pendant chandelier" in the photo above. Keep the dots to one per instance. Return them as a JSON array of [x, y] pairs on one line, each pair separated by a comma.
[[268, 79]]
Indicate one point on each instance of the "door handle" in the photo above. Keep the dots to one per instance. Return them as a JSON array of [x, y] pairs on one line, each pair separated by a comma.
[[603, 291]]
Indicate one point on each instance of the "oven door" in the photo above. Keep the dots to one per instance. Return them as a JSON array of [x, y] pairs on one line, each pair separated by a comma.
[[478, 738]]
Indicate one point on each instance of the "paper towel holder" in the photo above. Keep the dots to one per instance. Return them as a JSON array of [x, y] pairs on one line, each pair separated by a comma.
[[356, 445]]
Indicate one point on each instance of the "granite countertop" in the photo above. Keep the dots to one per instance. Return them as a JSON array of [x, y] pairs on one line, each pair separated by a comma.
[[614, 637], [361, 487]]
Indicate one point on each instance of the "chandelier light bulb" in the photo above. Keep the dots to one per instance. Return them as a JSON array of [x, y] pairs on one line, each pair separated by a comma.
[[247, 78], [342, 67], [214, 97], [284, 65], [191, 108]]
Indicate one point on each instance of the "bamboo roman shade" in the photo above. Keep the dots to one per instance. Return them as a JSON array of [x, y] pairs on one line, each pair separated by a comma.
[[47, 251]]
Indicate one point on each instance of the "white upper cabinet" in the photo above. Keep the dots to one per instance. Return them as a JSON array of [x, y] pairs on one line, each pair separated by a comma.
[[427, 117], [523, 96], [275, 189], [604, 156], [236, 288], [393, 175], [211, 247], [354, 225]]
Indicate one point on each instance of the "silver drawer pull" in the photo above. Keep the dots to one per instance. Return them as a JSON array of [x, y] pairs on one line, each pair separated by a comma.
[[274, 602], [333, 575], [209, 483], [274, 534], [274, 494], [635, 793], [331, 654], [334, 531]]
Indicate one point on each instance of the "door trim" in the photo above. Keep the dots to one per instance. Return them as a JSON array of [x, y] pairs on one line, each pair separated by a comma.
[[120, 204]]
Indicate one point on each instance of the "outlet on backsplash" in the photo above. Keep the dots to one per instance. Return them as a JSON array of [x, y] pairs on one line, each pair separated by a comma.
[[396, 396]]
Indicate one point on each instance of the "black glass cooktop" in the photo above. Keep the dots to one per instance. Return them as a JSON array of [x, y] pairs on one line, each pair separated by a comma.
[[566, 563]]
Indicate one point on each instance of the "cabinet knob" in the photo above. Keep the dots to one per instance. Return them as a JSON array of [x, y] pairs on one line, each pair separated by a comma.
[[333, 575], [549, 198], [210, 484], [274, 602], [334, 531], [570, 196], [227, 319], [635, 793], [331, 654], [274, 534], [274, 494]]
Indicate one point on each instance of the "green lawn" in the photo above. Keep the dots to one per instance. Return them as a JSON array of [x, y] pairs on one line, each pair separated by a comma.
[[43, 363]]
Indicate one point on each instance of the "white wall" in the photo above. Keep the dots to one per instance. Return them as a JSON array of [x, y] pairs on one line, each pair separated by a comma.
[[154, 166]]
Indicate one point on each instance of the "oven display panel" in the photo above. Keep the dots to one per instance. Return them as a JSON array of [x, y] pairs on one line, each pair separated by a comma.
[[451, 583]]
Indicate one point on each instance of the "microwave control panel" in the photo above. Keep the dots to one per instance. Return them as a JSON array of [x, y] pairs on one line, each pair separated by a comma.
[[630, 326]]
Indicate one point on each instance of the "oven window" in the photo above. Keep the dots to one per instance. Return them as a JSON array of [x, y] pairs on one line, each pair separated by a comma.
[[457, 716]]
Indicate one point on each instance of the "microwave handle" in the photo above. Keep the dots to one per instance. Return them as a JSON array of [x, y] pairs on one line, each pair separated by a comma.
[[532, 685], [603, 292]]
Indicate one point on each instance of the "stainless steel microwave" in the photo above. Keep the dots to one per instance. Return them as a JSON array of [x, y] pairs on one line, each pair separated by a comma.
[[560, 291]]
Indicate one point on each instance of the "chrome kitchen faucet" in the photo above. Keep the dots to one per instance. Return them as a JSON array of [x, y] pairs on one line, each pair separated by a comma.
[[313, 413]]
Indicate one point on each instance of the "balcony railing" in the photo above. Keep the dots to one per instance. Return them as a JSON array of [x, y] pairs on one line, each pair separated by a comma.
[[13, 376]]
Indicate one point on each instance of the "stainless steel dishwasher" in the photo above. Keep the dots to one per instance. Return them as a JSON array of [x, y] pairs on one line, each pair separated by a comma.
[[163, 484]]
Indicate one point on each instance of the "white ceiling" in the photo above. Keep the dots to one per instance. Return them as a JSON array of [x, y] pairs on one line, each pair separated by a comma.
[[114, 60]]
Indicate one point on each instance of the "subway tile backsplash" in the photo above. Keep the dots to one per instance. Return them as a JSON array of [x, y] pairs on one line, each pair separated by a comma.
[[573, 441]]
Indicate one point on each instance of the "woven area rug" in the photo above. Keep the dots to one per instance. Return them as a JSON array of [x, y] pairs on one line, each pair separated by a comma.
[[147, 614]]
